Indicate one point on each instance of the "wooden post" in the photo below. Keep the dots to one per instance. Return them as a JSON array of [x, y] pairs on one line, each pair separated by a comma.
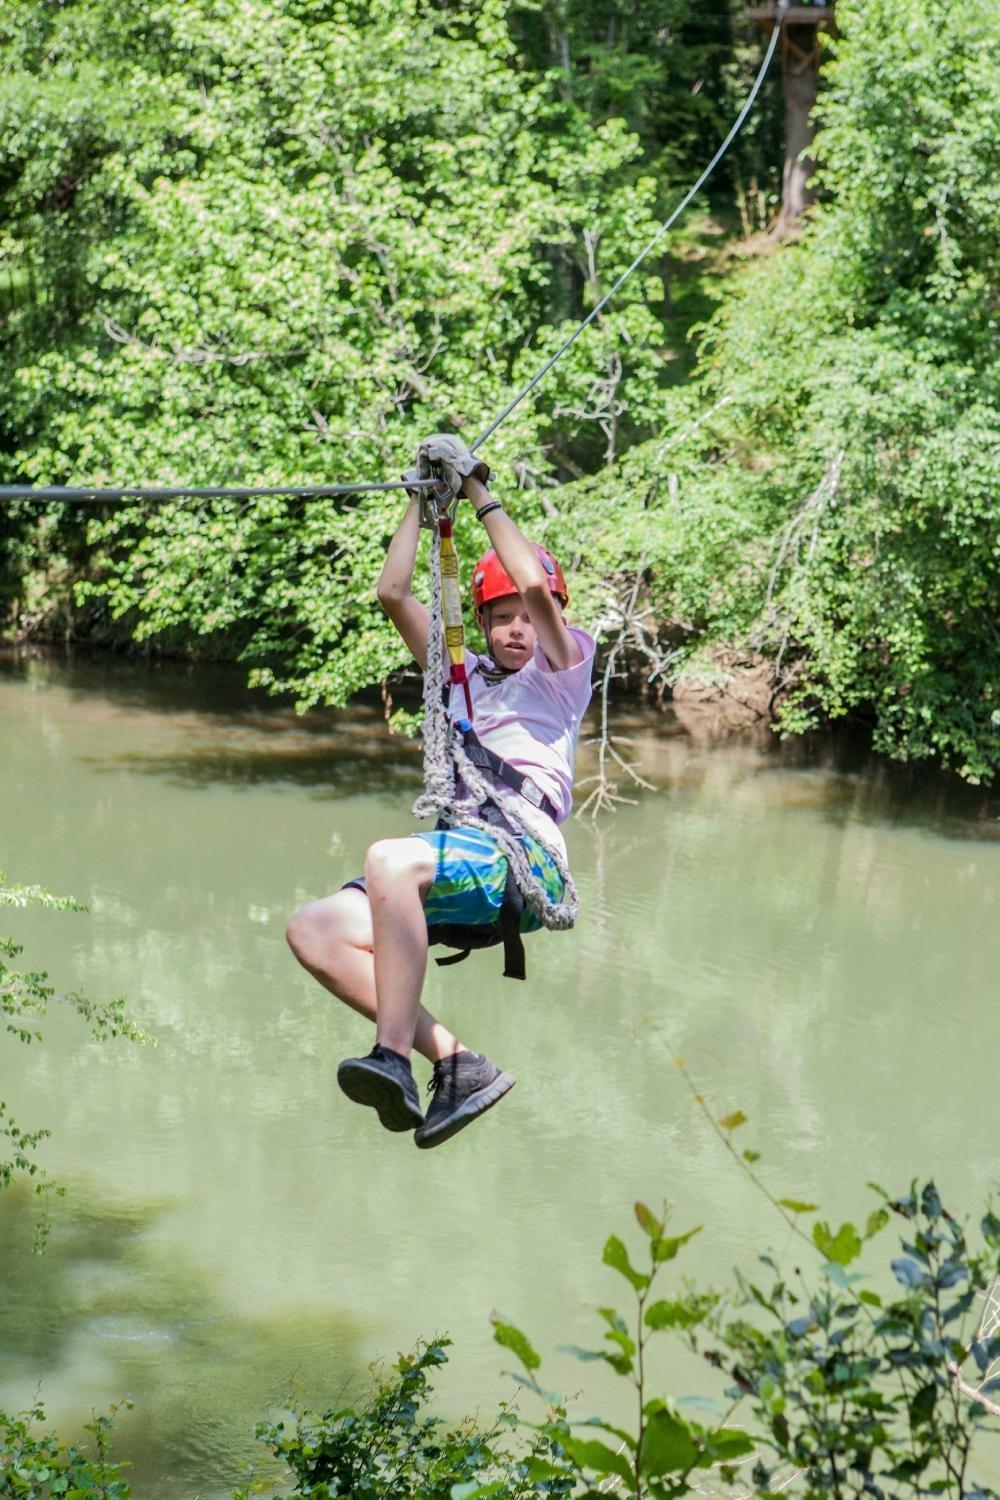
[[800, 58], [800, 65]]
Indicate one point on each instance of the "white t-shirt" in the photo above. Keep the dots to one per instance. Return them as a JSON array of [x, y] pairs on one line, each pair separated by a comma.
[[532, 717]]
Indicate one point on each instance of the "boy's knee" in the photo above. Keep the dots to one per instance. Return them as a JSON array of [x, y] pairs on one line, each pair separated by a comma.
[[341, 918], [390, 858], [301, 931]]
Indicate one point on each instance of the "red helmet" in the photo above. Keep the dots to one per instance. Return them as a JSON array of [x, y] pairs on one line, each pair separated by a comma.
[[490, 580]]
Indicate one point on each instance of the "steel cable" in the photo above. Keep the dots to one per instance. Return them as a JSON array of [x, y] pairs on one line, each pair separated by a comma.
[[664, 228]]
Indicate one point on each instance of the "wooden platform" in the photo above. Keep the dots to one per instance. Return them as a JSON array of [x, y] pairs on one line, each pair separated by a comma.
[[796, 15]]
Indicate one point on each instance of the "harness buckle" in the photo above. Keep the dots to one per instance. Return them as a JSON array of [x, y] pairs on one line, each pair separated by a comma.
[[532, 793]]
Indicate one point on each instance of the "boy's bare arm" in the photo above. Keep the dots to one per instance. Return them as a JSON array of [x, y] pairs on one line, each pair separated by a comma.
[[393, 590], [521, 562]]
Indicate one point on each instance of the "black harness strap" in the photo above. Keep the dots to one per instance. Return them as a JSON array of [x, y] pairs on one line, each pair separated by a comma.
[[488, 760]]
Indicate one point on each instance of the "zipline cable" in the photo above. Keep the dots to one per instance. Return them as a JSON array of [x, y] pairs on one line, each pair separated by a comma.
[[664, 228], [210, 492], [96, 494]]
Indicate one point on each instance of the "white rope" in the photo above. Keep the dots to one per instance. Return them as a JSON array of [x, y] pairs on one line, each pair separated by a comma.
[[446, 762]]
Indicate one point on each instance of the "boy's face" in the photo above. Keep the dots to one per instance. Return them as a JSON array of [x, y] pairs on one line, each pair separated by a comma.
[[511, 633]]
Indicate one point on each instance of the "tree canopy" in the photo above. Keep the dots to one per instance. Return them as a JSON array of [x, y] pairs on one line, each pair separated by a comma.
[[249, 243]]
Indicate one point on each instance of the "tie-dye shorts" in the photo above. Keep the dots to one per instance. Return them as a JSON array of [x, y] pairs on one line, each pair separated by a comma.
[[471, 876]]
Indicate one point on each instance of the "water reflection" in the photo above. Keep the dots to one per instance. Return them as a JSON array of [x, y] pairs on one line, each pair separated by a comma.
[[113, 1298]]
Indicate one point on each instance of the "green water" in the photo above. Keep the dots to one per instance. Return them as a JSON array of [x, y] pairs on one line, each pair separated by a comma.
[[816, 936]]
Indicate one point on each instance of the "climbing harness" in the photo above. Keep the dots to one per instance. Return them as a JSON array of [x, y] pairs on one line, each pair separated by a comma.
[[458, 795]]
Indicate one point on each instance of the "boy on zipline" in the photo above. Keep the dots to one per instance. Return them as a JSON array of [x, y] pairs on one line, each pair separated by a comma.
[[368, 942]]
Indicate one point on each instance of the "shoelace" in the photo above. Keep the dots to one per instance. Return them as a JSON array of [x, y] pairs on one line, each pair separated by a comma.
[[442, 1075]]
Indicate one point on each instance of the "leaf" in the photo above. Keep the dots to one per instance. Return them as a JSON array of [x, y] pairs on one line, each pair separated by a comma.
[[703, 1403], [908, 1273], [551, 1398], [728, 1443], [613, 1318], [930, 1203], [839, 1276], [796, 1207], [733, 1121], [921, 1407], [665, 1249], [842, 1247], [876, 1221], [510, 1337], [588, 1453], [616, 1256], [667, 1445], [678, 1313], [648, 1221], [618, 1432]]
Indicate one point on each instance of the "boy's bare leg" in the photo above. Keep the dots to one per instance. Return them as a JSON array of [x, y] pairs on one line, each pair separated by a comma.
[[398, 874], [332, 939]]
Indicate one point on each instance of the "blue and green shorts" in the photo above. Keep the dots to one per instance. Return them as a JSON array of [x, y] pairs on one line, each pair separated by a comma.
[[471, 876]]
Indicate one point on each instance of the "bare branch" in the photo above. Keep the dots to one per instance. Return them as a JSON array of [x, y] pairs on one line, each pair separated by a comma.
[[204, 354]]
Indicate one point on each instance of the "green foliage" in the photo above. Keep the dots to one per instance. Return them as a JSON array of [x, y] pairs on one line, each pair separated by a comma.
[[37, 1465], [262, 246], [388, 1449], [824, 494], [25, 995], [658, 1457], [268, 249], [859, 1389], [826, 1387], [844, 1391]]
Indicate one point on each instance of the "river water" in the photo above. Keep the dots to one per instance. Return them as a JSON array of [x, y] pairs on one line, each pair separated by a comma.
[[814, 933]]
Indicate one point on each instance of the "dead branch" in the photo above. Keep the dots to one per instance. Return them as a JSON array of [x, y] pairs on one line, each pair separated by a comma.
[[202, 354], [623, 615], [797, 543]]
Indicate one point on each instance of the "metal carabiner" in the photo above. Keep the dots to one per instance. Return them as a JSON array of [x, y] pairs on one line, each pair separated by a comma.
[[437, 501]]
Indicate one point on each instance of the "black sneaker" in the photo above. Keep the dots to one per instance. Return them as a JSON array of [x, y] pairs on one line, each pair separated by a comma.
[[464, 1086], [384, 1080]]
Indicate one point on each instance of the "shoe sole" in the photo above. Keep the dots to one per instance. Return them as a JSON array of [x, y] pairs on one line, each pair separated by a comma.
[[470, 1109], [366, 1085]]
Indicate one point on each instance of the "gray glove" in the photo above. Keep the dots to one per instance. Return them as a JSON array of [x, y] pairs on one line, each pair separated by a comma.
[[455, 460], [411, 474]]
